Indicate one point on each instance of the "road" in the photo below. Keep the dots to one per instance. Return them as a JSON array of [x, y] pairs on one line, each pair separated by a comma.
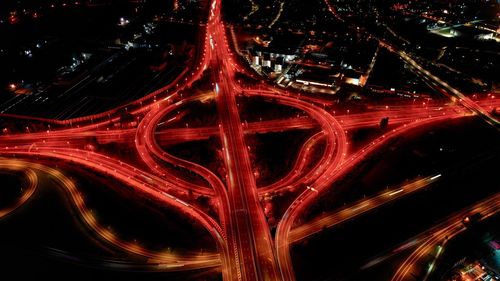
[[170, 261], [445, 88], [254, 251], [330, 219], [30, 181], [436, 238], [247, 251]]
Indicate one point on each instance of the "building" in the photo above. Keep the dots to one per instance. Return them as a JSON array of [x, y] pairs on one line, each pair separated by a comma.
[[352, 77]]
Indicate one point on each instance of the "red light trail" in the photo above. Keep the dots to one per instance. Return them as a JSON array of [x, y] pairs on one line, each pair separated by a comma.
[[247, 250]]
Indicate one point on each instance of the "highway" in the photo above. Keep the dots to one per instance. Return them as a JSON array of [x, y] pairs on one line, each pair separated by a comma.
[[30, 181], [171, 261], [333, 218], [246, 248], [449, 90], [435, 238], [254, 251], [445, 88], [322, 183]]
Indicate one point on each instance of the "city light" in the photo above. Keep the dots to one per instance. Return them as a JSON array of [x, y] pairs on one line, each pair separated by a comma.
[[291, 140]]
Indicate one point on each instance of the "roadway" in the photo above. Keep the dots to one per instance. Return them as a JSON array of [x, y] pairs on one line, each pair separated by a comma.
[[169, 261], [254, 253], [246, 249], [30, 181], [433, 240]]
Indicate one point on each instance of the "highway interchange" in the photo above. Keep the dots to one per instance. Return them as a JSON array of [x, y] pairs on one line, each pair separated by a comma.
[[246, 248]]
